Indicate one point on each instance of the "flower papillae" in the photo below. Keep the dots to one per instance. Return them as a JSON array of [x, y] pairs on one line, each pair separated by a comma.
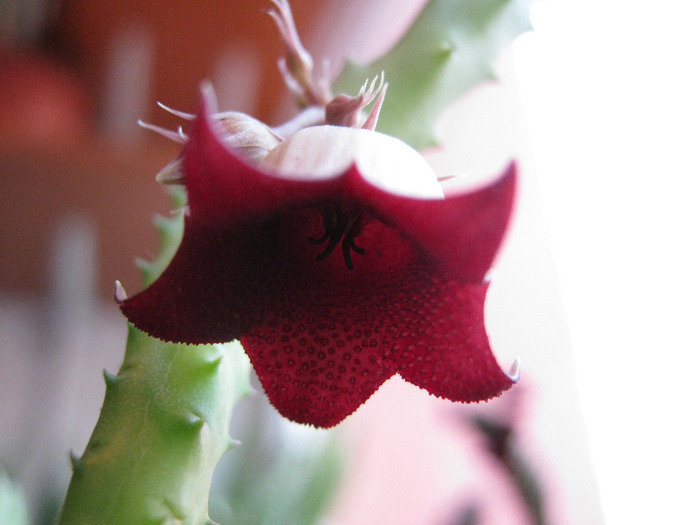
[[323, 329]]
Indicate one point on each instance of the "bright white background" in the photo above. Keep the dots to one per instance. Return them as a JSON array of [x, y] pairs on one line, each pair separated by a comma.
[[610, 89], [610, 92]]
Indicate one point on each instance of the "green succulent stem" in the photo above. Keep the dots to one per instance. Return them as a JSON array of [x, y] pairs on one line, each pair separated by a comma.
[[163, 427], [162, 430], [449, 49]]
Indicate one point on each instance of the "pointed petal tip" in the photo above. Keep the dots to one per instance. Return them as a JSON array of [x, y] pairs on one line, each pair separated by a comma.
[[208, 96], [119, 293], [453, 185], [181, 114], [514, 370], [176, 136]]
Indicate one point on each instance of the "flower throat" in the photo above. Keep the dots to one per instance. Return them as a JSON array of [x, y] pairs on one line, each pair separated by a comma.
[[341, 227]]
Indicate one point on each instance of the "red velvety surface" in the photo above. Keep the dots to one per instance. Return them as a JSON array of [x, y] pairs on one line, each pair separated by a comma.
[[322, 337]]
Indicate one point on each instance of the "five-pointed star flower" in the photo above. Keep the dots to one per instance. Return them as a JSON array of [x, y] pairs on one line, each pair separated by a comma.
[[334, 269]]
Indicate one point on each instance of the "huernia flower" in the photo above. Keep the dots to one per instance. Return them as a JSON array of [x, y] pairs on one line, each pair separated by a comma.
[[334, 255]]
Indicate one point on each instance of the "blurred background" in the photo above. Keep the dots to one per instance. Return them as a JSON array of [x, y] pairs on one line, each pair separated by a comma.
[[596, 290]]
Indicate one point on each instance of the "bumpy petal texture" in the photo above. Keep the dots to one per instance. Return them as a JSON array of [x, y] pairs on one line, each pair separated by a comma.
[[323, 337]]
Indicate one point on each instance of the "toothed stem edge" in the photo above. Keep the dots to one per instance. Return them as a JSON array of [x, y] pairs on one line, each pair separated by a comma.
[[161, 432], [164, 423]]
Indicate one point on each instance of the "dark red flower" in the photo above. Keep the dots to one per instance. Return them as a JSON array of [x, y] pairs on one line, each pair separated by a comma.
[[331, 283]]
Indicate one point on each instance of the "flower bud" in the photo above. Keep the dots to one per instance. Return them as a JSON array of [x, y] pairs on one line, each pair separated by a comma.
[[322, 152], [247, 136]]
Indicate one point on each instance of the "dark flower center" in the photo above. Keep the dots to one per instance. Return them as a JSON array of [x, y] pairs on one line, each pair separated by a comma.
[[341, 228]]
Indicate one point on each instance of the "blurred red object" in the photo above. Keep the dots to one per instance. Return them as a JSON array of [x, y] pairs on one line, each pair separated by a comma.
[[41, 101], [189, 41]]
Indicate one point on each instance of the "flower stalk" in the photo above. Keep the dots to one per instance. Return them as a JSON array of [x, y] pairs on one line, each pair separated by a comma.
[[297, 65]]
